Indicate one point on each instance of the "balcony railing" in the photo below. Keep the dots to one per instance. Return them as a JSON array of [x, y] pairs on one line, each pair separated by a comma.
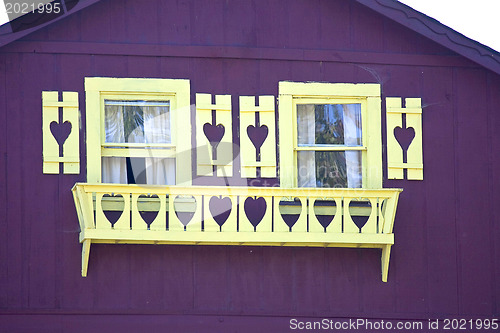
[[271, 216]]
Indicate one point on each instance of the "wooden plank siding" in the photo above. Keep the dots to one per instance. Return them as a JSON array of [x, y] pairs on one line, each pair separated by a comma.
[[445, 261]]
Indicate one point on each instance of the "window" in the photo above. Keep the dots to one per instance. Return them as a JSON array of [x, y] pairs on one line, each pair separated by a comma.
[[132, 135], [330, 135]]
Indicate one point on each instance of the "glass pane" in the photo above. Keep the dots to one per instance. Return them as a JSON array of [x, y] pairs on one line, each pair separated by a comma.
[[336, 169], [332, 124], [137, 121]]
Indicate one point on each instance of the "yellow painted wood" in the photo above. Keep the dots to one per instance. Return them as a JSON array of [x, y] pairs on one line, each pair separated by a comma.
[[414, 153], [266, 110], [287, 163], [71, 146], [372, 135], [224, 161], [414, 163], [368, 95], [359, 240], [177, 91], [237, 230], [386, 254], [390, 213], [85, 256], [329, 89], [137, 152]]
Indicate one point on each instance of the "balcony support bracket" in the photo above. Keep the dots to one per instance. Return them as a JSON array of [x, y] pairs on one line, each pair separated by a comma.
[[85, 256]]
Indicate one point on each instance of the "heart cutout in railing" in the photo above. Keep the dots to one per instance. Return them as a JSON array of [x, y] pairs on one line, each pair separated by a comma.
[[185, 207], [113, 206], [220, 208], [148, 207], [290, 211], [255, 209], [325, 211], [404, 136], [257, 135], [360, 211], [214, 133], [60, 131]]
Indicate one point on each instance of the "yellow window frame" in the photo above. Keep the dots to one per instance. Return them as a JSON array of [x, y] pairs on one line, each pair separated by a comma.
[[176, 91], [368, 95]]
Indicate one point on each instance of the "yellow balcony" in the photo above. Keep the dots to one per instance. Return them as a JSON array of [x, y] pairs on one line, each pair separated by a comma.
[[270, 216]]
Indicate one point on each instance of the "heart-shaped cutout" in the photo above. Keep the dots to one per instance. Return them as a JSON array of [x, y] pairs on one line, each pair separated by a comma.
[[290, 211], [220, 208], [325, 211], [185, 207], [214, 133], [360, 211], [257, 135], [404, 136], [255, 209], [148, 207], [60, 131], [113, 207]]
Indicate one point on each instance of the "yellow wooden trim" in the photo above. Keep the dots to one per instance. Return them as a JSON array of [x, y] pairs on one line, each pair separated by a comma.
[[406, 165], [85, 256], [329, 89], [237, 230], [250, 237], [70, 113], [286, 129], [135, 152], [386, 254], [373, 141], [177, 91], [60, 104], [368, 95], [414, 163], [137, 145], [237, 190], [248, 152], [57, 159], [405, 110], [252, 164], [205, 159]]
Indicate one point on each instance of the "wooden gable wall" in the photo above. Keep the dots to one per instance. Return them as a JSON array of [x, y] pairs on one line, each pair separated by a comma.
[[445, 261]]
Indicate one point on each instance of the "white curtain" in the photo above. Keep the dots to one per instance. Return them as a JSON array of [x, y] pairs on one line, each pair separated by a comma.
[[352, 137], [157, 129], [306, 132], [114, 169]]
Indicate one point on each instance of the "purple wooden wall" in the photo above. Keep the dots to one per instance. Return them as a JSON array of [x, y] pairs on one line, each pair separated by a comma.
[[445, 263]]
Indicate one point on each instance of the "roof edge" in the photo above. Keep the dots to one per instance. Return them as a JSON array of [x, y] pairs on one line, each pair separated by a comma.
[[7, 36], [436, 31]]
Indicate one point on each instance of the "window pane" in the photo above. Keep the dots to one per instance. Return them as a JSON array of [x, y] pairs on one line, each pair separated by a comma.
[[137, 121], [337, 169], [332, 124]]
